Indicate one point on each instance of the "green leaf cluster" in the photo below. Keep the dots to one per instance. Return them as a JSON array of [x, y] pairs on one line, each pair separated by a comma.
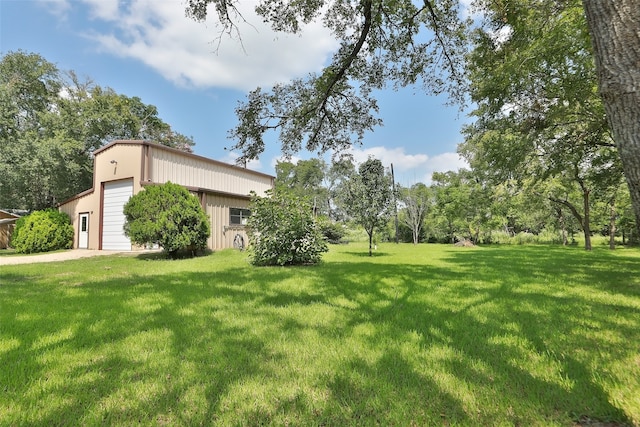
[[332, 231], [51, 123], [382, 43], [42, 231], [367, 197], [166, 215], [284, 231]]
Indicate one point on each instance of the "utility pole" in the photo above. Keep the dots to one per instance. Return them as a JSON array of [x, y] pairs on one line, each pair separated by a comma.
[[395, 203]]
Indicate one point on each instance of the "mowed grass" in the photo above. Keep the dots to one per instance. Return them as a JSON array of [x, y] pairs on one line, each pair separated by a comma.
[[415, 335]]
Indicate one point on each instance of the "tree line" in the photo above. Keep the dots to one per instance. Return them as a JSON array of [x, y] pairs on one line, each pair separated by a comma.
[[455, 206], [51, 121]]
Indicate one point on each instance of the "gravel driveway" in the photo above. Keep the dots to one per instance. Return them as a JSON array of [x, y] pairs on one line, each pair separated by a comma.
[[57, 256]]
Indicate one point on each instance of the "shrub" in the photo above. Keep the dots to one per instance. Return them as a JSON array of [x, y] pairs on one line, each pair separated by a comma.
[[166, 215], [333, 232], [42, 231], [501, 237], [550, 237], [283, 231]]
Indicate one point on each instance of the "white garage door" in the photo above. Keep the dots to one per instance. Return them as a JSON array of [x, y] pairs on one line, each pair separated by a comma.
[[116, 194]]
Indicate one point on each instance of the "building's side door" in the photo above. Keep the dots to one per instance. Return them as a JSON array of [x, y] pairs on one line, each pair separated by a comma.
[[83, 231]]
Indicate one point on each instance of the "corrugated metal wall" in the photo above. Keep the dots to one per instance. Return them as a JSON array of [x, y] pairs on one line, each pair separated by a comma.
[[72, 208], [199, 173], [222, 234]]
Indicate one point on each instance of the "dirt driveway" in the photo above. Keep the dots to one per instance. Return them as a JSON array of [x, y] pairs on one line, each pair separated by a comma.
[[57, 256]]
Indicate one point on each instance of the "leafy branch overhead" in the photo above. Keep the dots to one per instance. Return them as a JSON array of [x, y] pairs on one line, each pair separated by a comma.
[[382, 43]]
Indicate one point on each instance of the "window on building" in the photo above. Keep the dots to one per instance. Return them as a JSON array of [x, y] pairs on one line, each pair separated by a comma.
[[238, 216]]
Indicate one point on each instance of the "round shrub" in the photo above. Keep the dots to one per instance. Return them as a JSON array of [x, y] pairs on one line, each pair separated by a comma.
[[283, 231], [333, 232], [166, 215], [42, 231]]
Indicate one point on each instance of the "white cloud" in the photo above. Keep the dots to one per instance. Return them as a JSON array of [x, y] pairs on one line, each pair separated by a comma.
[[502, 35], [411, 168], [443, 163], [231, 157], [186, 52], [103, 9], [401, 161]]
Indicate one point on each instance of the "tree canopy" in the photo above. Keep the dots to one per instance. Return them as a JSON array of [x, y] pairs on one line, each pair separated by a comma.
[[538, 111], [50, 124], [382, 43], [400, 42]]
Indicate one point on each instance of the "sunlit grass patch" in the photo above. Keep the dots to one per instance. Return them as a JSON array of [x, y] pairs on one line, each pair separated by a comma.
[[422, 335]]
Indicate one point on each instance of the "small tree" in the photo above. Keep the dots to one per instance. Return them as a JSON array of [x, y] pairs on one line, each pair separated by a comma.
[[166, 215], [283, 231], [367, 197], [42, 231], [417, 200]]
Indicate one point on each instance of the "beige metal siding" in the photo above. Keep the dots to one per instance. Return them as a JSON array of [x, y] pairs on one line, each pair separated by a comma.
[[199, 173], [220, 186], [5, 235], [222, 233], [89, 203], [127, 163]]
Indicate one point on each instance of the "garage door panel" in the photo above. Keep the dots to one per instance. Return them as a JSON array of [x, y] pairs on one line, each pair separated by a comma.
[[116, 194]]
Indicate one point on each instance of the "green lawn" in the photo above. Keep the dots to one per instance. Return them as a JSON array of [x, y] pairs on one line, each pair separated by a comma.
[[416, 335]]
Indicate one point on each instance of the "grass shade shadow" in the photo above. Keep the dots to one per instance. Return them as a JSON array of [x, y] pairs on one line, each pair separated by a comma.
[[419, 335]]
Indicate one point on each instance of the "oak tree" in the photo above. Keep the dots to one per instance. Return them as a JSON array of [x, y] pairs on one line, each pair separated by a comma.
[[539, 114], [382, 43], [614, 31], [51, 122], [398, 43]]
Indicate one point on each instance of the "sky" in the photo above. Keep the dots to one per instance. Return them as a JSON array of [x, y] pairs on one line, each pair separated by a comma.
[[150, 49]]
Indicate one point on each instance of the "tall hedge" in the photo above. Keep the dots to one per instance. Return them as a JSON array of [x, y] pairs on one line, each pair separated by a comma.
[[42, 231]]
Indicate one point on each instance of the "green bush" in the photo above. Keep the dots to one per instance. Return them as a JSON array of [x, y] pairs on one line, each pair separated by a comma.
[[333, 232], [169, 216], [283, 231], [525, 238], [42, 231]]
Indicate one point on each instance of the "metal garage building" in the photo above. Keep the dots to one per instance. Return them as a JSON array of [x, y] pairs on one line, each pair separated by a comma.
[[123, 168]]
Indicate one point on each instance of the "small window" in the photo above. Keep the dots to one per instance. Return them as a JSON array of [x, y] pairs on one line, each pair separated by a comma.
[[238, 216]]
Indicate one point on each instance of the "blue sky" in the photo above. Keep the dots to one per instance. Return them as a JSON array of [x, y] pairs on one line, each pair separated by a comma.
[[149, 49]]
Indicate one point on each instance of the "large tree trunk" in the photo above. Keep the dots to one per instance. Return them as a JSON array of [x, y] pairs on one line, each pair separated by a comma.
[[370, 233], [615, 33]]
